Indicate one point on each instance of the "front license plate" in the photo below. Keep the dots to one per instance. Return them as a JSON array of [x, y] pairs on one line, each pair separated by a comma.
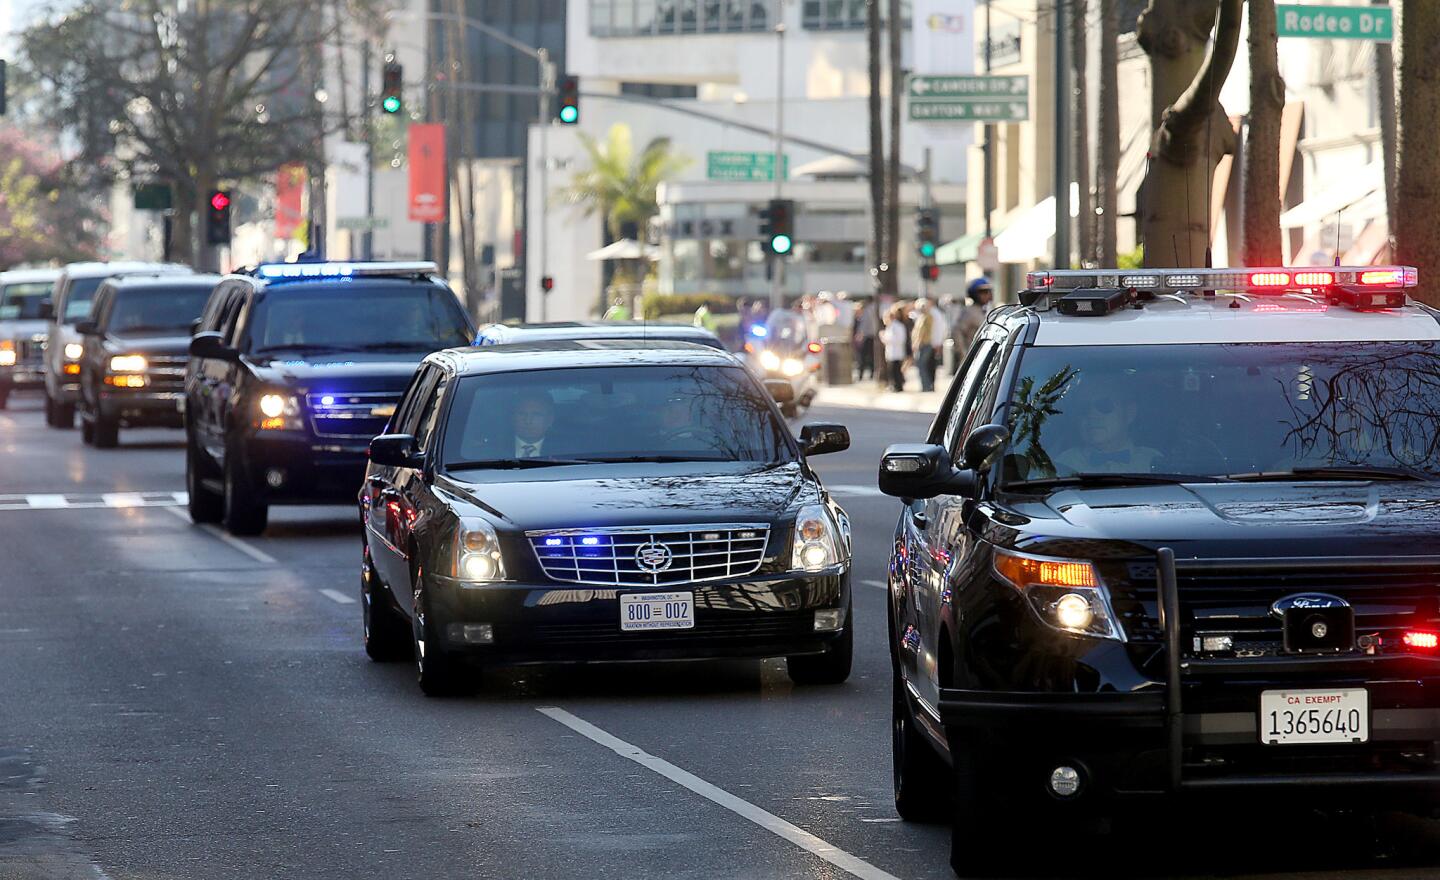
[[647, 611], [1337, 716]]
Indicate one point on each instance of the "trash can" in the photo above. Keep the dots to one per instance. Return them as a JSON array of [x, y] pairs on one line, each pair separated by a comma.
[[838, 361]]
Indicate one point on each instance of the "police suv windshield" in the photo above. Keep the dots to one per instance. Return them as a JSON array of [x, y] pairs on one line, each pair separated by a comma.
[[78, 298], [1241, 411], [21, 302], [609, 414], [355, 318], [157, 309]]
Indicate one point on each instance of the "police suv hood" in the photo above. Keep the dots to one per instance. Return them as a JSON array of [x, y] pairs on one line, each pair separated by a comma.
[[26, 329], [1234, 520], [341, 372], [634, 494], [177, 345]]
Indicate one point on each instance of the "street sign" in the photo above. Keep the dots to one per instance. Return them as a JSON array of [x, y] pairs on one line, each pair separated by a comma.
[[987, 256], [361, 224], [1374, 23], [728, 165], [153, 197], [969, 98]]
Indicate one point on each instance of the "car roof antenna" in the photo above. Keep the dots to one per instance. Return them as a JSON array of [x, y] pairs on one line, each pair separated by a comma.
[[1339, 214]]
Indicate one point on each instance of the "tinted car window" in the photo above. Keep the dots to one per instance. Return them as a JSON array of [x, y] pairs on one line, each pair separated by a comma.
[[156, 309], [1226, 409], [79, 297], [22, 301], [688, 413], [419, 318]]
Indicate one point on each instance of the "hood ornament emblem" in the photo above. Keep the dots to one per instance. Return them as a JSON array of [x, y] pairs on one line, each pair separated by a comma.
[[653, 557], [1306, 601]]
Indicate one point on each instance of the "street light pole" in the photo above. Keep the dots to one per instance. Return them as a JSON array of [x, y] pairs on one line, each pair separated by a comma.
[[547, 88], [777, 262]]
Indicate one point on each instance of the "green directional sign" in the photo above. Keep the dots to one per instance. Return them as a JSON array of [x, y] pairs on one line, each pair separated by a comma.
[[729, 165], [1374, 23], [969, 98]]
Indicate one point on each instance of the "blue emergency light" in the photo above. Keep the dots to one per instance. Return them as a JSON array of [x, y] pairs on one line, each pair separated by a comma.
[[294, 271], [760, 331]]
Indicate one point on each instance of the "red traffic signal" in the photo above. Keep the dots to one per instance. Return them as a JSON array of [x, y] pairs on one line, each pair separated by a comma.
[[219, 200], [547, 283], [217, 218], [930, 272]]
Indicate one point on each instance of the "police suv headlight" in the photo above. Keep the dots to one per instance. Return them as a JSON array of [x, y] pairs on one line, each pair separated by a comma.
[[477, 553], [792, 367], [1067, 594], [73, 351], [125, 363], [817, 540], [278, 412], [769, 360], [7, 353]]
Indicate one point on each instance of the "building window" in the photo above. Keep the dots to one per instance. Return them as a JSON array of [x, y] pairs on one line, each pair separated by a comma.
[[641, 18], [658, 90], [842, 15]]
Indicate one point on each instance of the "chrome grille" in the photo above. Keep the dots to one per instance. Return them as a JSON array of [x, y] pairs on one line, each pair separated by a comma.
[[651, 556], [166, 372], [30, 351], [351, 414]]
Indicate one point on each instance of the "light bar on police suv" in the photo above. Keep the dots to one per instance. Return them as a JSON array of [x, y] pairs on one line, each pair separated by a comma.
[[1247, 280], [288, 271]]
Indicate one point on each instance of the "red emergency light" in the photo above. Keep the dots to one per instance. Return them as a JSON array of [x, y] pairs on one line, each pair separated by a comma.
[[1423, 641]]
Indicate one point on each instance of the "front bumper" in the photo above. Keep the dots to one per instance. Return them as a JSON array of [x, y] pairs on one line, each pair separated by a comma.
[[22, 377], [295, 468], [144, 409], [761, 616]]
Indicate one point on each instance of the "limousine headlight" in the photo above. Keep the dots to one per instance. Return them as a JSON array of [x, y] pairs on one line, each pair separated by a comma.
[[477, 553], [816, 540]]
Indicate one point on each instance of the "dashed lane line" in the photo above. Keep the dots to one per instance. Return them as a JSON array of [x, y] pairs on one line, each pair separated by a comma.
[[253, 552], [851, 864], [880, 584], [338, 596], [92, 500]]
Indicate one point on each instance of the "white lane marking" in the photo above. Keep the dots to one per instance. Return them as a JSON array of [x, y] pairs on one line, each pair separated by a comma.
[[338, 597], [881, 584], [836, 856], [48, 502], [254, 553], [855, 490], [181, 497], [123, 499]]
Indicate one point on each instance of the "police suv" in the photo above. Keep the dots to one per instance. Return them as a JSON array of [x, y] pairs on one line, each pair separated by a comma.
[[293, 369], [1173, 531]]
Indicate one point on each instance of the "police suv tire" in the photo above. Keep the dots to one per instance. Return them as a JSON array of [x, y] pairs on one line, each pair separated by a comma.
[[4, 397], [921, 775], [59, 415], [87, 431], [438, 672], [105, 433], [386, 637], [206, 506], [984, 836], [244, 514], [831, 667]]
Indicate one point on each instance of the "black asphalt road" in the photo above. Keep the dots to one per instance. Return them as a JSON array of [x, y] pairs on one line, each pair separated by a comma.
[[180, 705]]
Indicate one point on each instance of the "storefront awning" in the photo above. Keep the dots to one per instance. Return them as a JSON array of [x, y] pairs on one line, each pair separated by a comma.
[[1027, 237], [1341, 197], [961, 250]]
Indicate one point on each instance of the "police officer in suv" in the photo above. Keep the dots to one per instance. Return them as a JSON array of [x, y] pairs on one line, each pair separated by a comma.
[[1173, 531], [293, 369]]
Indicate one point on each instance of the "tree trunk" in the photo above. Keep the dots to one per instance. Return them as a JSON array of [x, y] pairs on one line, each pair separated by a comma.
[[892, 176], [205, 256], [1417, 242], [1080, 125], [1262, 245], [463, 169], [1385, 82], [1108, 172], [1192, 136], [182, 224], [1174, 33], [877, 150]]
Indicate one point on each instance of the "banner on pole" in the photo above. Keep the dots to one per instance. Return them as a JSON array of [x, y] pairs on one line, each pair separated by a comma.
[[427, 172], [289, 200]]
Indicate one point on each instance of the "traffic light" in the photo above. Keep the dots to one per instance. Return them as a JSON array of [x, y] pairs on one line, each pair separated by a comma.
[[929, 272], [568, 111], [777, 226], [547, 283], [927, 232], [217, 219], [392, 86]]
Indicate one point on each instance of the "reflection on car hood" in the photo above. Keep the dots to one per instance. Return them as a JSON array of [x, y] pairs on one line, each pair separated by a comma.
[[22, 329], [632, 494], [1245, 519], [341, 372], [153, 345]]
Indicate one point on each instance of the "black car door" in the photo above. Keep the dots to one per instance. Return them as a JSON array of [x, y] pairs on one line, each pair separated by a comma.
[[935, 527], [385, 519], [204, 404], [93, 363]]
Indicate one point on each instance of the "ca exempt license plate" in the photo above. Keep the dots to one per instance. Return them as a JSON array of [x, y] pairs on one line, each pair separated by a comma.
[[647, 611], [1335, 716]]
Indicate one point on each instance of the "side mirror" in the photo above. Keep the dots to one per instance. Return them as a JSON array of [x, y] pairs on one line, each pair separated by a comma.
[[194, 326], [87, 328], [820, 439], [909, 470], [211, 346], [984, 445], [396, 450], [47, 310], [781, 390]]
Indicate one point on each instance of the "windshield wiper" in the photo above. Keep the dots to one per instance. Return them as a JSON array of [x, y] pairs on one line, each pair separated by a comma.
[[394, 346], [303, 347], [1354, 473], [658, 459], [512, 464], [1100, 479], [149, 328]]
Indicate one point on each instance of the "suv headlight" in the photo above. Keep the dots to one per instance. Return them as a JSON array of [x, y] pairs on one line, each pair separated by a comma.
[[817, 540], [770, 360], [278, 412], [7, 353], [125, 363], [477, 553], [74, 351], [1067, 594]]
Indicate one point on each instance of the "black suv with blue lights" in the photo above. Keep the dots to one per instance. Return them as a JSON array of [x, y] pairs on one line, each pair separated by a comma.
[[1173, 532], [293, 369]]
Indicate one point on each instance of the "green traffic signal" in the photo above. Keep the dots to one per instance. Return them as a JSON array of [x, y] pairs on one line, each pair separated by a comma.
[[927, 249], [569, 114], [391, 103], [781, 244]]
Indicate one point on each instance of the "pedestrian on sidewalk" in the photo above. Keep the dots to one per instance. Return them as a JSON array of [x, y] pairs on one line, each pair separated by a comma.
[[867, 327], [972, 318], [895, 336], [928, 340]]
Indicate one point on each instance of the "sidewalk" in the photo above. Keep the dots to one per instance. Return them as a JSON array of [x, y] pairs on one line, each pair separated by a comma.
[[871, 395]]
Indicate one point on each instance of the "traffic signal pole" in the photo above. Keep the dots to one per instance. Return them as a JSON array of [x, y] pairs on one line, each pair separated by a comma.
[[928, 202], [777, 262], [547, 86]]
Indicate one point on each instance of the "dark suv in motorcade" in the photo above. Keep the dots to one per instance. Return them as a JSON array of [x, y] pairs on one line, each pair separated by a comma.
[[293, 369], [24, 300], [136, 345], [1173, 532]]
